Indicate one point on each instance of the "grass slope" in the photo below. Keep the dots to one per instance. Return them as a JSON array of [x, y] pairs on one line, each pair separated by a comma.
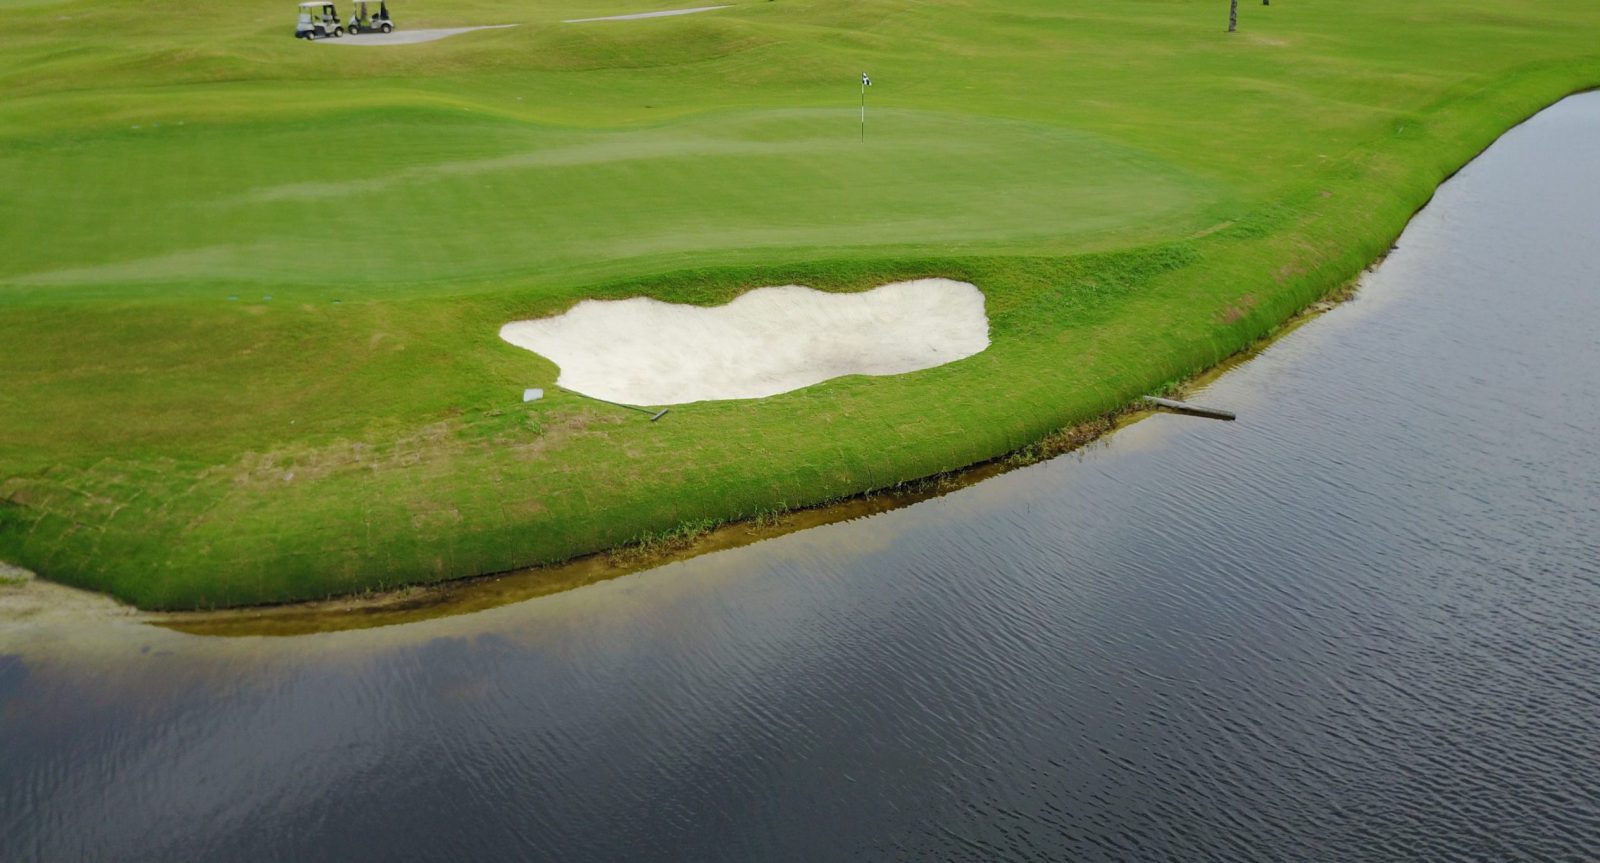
[[1138, 194]]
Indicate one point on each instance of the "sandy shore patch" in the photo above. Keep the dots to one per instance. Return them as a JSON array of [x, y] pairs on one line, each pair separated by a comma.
[[667, 13], [407, 37], [771, 340], [28, 603]]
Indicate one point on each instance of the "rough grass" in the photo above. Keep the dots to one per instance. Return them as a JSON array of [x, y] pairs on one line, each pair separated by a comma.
[[1138, 194]]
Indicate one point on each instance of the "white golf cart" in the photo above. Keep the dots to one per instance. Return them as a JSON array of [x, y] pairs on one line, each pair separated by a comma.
[[377, 22], [318, 20]]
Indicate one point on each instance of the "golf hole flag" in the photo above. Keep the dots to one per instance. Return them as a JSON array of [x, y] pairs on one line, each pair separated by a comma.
[[865, 83]]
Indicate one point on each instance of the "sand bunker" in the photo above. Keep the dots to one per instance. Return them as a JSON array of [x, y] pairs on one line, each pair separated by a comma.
[[667, 13], [768, 341], [407, 37]]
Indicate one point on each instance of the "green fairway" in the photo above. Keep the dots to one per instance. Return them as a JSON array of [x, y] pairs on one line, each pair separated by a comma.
[[250, 286], [425, 195]]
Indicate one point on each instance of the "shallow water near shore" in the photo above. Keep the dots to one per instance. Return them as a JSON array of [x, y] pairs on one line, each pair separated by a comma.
[[1363, 622]]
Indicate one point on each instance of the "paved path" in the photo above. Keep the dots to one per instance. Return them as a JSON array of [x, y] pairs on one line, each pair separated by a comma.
[[638, 15], [407, 37]]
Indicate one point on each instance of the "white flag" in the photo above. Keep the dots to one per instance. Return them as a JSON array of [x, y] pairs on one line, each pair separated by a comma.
[[865, 81]]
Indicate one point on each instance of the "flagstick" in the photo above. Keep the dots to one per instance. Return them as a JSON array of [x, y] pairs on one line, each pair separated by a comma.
[[865, 83]]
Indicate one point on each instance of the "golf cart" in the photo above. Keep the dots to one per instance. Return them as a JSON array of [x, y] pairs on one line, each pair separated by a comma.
[[378, 22], [318, 19]]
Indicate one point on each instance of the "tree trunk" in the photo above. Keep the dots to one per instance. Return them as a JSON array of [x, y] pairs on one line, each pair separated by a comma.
[[1233, 15]]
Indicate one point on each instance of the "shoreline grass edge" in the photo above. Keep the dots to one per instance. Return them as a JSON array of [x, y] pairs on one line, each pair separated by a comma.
[[1199, 301]]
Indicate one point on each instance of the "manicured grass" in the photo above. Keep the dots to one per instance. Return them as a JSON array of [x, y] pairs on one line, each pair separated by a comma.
[[409, 195], [1138, 194]]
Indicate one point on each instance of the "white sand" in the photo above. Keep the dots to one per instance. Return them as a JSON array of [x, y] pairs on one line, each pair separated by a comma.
[[768, 341], [406, 37], [637, 15]]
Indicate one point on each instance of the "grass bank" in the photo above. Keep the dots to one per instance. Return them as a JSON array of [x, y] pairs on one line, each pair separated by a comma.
[[249, 287]]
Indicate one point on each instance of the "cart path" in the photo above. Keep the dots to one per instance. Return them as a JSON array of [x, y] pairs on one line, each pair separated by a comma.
[[637, 15], [407, 37]]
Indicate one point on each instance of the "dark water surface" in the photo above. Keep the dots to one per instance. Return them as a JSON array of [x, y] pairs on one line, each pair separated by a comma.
[[1362, 623]]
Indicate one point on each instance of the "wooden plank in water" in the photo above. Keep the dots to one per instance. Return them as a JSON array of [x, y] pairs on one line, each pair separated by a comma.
[[1197, 410]]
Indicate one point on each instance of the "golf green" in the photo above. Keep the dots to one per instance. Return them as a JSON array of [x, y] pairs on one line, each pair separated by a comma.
[[250, 286]]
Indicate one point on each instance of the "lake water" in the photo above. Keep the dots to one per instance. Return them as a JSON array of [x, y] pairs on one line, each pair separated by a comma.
[[1363, 622]]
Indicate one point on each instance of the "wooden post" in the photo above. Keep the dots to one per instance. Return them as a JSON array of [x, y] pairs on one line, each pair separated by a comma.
[[1197, 410]]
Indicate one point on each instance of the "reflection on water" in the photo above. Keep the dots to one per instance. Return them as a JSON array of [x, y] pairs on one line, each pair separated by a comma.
[[1361, 623]]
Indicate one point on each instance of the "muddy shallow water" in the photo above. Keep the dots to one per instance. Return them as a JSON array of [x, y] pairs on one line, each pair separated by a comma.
[[1363, 622]]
